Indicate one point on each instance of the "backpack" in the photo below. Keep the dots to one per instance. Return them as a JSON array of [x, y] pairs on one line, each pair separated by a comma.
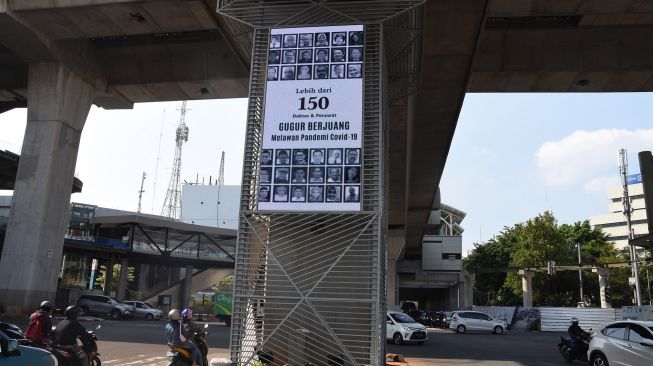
[[35, 328]]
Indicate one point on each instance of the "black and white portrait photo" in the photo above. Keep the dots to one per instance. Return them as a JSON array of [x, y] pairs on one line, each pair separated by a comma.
[[266, 157], [299, 156], [289, 40], [352, 174], [338, 71], [339, 39], [338, 54], [298, 175], [355, 38], [275, 41], [352, 193], [334, 174], [321, 55], [306, 40], [315, 193], [322, 39], [333, 193], [298, 193], [321, 71], [281, 175], [354, 71], [283, 157], [305, 56], [280, 194], [264, 194], [352, 156], [316, 175], [273, 73], [266, 175], [334, 156], [287, 72], [289, 57], [355, 54], [274, 57], [317, 156], [304, 72]]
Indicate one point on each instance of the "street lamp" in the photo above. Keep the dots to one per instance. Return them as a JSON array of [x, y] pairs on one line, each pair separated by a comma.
[[580, 274]]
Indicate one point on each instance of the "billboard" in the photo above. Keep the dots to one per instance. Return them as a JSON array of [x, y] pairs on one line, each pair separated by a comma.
[[312, 132]]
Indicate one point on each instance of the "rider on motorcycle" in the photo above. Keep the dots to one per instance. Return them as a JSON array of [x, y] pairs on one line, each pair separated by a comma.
[[178, 337], [67, 332], [577, 334], [40, 324], [187, 321]]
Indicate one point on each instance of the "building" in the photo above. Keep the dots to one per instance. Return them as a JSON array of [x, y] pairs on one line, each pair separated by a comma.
[[614, 223], [210, 205]]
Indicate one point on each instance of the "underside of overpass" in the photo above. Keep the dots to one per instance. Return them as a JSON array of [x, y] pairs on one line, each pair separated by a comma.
[[59, 57]]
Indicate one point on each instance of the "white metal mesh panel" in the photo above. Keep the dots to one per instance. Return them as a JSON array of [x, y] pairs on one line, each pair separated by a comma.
[[310, 287]]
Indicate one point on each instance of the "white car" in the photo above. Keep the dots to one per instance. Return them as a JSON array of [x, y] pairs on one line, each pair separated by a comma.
[[145, 310], [628, 342], [401, 328], [463, 321]]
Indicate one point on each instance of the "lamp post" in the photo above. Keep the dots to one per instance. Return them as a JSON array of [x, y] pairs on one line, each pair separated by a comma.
[[580, 274]]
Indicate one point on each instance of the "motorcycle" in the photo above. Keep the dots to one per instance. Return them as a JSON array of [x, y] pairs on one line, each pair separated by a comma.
[[571, 353], [66, 357], [178, 356]]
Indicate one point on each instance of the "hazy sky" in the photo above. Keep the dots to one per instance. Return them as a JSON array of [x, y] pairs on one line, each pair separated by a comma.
[[512, 157]]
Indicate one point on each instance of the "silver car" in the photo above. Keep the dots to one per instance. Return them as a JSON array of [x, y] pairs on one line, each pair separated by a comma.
[[105, 305], [627, 343], [145, 310]]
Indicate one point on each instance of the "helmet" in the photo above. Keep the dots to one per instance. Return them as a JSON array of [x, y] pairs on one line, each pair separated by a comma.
[[46, 305], [574, 320], [72, 312], [187, 313], [174, 314]]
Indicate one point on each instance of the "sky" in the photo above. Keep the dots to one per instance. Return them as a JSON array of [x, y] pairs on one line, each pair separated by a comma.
[[513, 156]]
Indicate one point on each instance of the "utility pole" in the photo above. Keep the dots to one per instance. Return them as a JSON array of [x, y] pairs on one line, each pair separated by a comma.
[[623, 170], [220, 181], [648, 282], [580, 274], [140, 193]]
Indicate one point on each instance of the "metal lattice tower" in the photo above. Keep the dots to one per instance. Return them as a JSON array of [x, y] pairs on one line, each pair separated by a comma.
[[172, 204], [140, 192]]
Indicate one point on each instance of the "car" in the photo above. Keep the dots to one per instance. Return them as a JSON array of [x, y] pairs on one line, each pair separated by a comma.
[[463, 321], [105, 305], [12, 353], [401, 328], [145, 310], [627, 342]]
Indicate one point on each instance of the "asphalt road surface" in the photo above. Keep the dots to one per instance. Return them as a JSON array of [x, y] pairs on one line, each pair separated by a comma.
[[140, 342]]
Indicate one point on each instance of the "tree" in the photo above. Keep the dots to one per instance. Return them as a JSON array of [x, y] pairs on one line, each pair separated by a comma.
[[99, 281], [225, 285]]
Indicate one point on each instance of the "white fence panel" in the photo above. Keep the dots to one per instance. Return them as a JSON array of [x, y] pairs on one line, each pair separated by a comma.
[[557, 319]]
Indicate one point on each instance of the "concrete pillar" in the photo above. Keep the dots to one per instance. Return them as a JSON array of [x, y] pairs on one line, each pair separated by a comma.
[[395, 247], [143, 277], [122, 281], [604, 274], [527, 287], [467, 291], [188, 284], [58, 104], [108, 276]]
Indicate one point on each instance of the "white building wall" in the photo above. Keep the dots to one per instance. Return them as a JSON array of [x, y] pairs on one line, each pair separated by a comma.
[[201, 205], [442, 253]]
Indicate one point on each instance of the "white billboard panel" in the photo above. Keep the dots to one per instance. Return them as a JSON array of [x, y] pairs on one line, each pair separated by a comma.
[[312, 134]]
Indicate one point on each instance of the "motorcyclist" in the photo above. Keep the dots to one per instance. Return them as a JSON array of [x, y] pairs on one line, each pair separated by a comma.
[[187, 321], [178, 337], [40, 324], [576, 333], [67, 332]]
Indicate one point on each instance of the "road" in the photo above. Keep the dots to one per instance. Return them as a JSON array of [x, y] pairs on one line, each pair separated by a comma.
[[142, 343]]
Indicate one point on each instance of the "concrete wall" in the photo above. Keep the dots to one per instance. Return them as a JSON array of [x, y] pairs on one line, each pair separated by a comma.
[[614, 223], [442, 253], [201, 205]]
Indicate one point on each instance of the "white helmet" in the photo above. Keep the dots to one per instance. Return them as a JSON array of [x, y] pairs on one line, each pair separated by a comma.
[[574, 320], [174, 314]]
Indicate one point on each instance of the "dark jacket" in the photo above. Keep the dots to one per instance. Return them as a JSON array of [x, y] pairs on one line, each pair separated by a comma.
[[67, 331], [575, 331]]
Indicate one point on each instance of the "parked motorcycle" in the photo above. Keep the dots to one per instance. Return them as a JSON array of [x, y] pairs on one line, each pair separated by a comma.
[[178, 356], [570, 353]]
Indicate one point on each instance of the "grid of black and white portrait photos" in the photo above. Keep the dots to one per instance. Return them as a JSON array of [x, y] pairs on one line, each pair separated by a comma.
[[310, 175], [315, 56]]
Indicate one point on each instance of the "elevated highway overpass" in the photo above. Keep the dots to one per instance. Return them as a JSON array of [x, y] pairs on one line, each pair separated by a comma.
[[59, 57]]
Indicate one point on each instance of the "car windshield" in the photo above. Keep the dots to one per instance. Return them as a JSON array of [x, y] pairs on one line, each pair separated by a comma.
[[148, 305], [402, 318]]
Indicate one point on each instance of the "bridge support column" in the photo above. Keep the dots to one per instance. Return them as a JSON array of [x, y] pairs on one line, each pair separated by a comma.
[[59, 102], [527, 287], [604, 274], [188, 284], [108, 276], [467, 290], [122, 281], [395, 247]]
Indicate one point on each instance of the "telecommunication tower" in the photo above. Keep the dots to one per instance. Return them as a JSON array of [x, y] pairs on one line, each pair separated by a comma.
[[220, 182], [172, 203], [140, 193]]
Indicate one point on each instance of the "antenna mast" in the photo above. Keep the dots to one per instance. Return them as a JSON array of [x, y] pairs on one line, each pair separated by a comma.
[[140, 193], [220, 181], [623, 171], [172, 204], [158, 157]]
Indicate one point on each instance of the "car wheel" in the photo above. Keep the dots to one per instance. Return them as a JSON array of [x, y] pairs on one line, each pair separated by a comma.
[[498, 329], [115, 315], [149, 317], [599, 360], [397, 338], [461, 329]]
